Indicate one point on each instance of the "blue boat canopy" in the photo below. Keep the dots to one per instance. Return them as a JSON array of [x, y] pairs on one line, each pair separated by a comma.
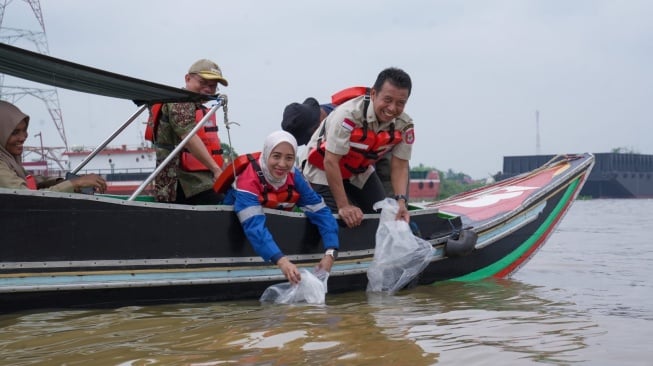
[[52, 71]]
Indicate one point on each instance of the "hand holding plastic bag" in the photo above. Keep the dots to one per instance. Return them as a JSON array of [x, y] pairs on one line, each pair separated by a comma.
[[311, 290], [399, 256]]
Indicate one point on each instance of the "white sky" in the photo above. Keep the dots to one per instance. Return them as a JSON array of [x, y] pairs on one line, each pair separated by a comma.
[[480, 69]]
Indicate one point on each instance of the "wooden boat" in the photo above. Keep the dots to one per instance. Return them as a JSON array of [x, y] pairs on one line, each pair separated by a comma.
[[62, 250]]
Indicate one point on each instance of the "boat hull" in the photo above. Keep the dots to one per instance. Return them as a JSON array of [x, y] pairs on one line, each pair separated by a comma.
[[101, 250]]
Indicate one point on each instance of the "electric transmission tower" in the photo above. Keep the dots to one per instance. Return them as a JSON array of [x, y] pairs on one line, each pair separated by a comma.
[[49, 97]]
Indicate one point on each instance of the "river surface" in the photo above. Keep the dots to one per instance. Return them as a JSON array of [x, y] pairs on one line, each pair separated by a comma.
[[585, 299]]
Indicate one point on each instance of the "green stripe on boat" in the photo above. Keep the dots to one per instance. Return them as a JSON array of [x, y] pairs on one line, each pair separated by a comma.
[[506, 261]]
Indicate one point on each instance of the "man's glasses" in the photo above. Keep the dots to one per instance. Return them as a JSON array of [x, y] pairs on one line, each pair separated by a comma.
[[213, 84]]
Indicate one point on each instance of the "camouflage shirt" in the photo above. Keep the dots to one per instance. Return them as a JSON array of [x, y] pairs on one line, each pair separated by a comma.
[[177, 119]]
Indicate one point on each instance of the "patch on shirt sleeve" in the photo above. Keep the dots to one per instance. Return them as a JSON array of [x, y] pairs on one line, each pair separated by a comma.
[[348, 124], [409, 136]]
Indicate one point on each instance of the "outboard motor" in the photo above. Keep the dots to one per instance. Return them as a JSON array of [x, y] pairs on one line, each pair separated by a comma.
[[461, 242]]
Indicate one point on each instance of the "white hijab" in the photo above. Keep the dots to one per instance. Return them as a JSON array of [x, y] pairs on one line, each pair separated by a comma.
[[274, 139]]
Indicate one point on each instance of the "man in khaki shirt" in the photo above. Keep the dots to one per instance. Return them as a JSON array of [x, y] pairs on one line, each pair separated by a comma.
[[384, 111], [174, 183], [301, 120]]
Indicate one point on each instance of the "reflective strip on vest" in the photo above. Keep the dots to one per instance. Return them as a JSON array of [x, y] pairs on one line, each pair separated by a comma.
[[359, 145]]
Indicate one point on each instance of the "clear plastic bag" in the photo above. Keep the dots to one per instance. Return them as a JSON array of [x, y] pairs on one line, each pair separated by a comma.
[[399, 256], [311, 290]]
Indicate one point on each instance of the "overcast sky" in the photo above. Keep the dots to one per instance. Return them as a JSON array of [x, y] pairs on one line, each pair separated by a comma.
[[480, 69]]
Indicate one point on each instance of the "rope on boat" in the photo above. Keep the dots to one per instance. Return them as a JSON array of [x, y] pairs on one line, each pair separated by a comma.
[[228, 124]]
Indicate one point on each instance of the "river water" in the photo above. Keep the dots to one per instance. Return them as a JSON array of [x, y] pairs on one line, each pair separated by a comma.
[[585, 298]]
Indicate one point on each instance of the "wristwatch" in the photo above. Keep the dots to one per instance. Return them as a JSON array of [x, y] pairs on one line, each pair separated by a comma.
[[401, 197], [332, 252]]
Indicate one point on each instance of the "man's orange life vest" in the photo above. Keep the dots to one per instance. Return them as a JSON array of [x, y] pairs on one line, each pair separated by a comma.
[[348, 93], [208, 135], [365, 146], [270, 198]]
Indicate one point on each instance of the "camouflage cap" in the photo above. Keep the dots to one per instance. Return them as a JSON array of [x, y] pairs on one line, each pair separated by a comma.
[[209, 70]]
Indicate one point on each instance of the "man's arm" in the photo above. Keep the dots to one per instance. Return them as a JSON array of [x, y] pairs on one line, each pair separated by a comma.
[[351, 215], [197, 148], [399, 178], [182, 118]]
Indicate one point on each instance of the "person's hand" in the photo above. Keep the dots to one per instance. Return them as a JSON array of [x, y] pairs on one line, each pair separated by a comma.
[[403, 214], [216, 172], [289, 270], [90, 181], [325, 264], [351, 215]]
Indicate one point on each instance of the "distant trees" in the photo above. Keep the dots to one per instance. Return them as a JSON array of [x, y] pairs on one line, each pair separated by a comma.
[[624, 150], [228, 153], [452, 183]]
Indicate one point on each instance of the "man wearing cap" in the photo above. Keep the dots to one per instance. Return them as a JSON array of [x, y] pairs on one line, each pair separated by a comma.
[[189, 177], [351, 139], [301, 120]]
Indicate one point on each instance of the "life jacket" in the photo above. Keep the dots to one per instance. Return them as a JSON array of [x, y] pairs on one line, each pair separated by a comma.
[[208, 135], [365, 146], [270, 198], [31, 182], [348, 93], [153, 122]]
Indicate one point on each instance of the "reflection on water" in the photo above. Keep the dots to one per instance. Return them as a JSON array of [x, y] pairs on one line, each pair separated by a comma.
[[470, 323], [461, 322], [601, 258], [584, 299]]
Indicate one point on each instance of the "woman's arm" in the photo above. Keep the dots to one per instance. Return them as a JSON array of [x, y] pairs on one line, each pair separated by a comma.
[[252, 218], [317, 212], [320, 215]]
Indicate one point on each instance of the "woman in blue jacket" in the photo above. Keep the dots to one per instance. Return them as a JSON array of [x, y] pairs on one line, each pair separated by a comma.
[[271, 189]]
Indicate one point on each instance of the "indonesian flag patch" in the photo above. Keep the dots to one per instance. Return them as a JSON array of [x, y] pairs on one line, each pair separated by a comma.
[[348, 124], [409, 136]]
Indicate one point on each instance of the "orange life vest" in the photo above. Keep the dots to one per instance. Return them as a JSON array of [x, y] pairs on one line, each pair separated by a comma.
[[281, 200], [348, 93], [284, 200], [365, 146], [208, 135], [31, 182], [233, 169]]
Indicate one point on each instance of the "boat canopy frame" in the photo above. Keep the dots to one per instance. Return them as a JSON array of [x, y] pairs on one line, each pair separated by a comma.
[[56, 72]]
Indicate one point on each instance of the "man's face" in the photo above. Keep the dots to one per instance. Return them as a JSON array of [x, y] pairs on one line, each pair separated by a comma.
[[197, 84], [389, 102]]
